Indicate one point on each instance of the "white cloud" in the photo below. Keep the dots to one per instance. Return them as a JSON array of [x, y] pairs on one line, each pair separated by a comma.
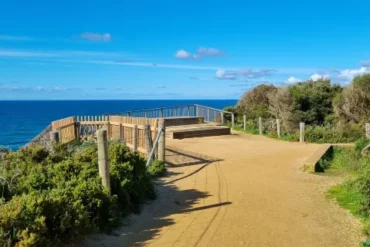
[[204, 51], [106, 37], [201, 52], [182, 54], [349, 74], [316, 77], [293, 80]]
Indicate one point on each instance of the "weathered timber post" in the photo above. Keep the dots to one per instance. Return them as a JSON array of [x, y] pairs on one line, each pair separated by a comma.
[[174, 112], [188, 110], [260, 125], [77, 128], [301, 132], [148, 139], [146, 114], [232, 120], [54, 137], [196, 111], [161, 113], [278, 130], [103, 160], [135, 138], [222, 118], [120, 132], [245, 122], [162, 140], [208, 114], [367, 130]]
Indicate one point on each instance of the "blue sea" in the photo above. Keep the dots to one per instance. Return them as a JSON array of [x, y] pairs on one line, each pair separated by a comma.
[[20, 121]]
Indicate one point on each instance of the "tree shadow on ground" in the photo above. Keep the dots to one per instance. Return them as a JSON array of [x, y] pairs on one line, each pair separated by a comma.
[[137, 230]]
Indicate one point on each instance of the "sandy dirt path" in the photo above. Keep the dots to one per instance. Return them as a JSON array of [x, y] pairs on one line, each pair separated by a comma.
[[238, 190]]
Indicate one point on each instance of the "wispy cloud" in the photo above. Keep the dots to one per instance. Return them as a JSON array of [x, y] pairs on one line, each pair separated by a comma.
[[212, 52], [224, 74], [104, 37], [246, 73], [65, 53], [18, 53], [201, 52], [16, 38], [39, 89]]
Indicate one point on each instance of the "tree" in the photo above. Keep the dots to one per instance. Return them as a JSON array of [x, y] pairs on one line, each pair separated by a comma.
[[353, 104], [313, 100], [255, 103], [282, 107]]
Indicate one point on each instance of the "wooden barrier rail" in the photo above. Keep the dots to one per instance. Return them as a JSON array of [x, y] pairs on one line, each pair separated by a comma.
[[130, 130]]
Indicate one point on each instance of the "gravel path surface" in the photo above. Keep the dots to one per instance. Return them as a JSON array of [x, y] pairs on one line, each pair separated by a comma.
[[238, 190]]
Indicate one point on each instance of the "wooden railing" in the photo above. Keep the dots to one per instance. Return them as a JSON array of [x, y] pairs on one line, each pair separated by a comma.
[[129, 130]]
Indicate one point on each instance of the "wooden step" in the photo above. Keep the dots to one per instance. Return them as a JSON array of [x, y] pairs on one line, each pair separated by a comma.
[[198, 132]]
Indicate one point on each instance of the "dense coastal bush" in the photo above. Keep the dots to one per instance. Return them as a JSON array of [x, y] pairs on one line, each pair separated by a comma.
[[52, 196], [331, 113]]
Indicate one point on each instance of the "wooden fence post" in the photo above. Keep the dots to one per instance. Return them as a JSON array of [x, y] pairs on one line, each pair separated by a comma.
[[120, 132], [103, 158], [208, 114], [301, 132], [188, 110], [148, 139], [135, 138], [222, 118], [146, 114], [161, 113], [278, 128], [245, 122], [367, 130], [260, 125], [232, 120], [54, 137], [162, 140], [77, 128]]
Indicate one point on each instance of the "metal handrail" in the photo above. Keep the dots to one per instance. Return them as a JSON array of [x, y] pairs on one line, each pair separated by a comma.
[[155, 144]]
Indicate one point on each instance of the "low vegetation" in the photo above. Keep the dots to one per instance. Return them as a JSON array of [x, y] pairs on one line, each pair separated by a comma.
[[332, 113], [49, 197], [354, 193]]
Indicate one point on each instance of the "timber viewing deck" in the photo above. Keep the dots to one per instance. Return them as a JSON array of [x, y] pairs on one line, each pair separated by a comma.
[[223, 187]]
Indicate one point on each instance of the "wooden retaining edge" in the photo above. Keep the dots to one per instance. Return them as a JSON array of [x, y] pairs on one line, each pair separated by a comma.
[[312, 163]]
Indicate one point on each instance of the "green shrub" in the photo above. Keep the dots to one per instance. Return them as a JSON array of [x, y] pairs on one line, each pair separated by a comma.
[[48, 197], [361, 144], [365, 243], [157, 168]]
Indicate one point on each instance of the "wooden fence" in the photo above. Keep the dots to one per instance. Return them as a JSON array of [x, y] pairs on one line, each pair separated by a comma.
[[66, 128], [127, 129]]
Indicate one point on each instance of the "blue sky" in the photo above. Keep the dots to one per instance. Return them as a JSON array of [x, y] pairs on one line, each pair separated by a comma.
[[176, 49]]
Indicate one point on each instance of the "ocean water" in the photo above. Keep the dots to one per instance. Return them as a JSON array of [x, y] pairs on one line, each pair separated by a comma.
[[20, 121]]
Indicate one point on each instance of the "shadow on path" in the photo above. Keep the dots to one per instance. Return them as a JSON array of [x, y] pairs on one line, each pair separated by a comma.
[[138, 230]]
